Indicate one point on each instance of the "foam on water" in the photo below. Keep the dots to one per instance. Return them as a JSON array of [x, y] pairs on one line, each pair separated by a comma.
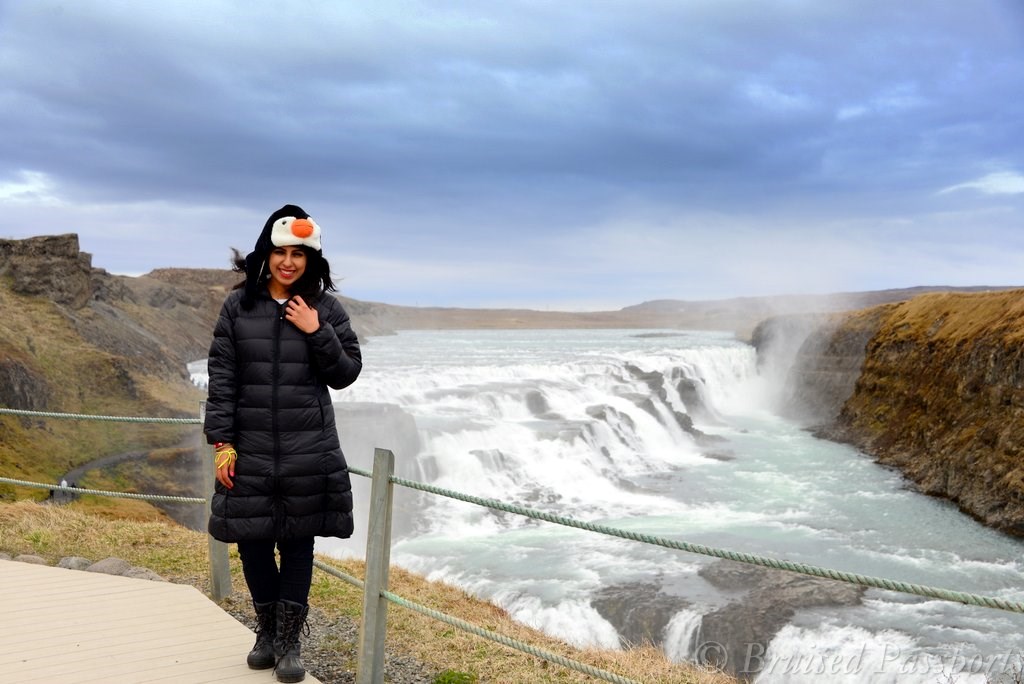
[[574, 621], [839, 653]]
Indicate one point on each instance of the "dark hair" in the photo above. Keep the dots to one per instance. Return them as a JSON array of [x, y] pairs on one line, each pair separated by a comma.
[[315, 280]]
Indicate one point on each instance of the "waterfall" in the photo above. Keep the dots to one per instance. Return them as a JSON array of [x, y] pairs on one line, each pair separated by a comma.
[[682, 636]]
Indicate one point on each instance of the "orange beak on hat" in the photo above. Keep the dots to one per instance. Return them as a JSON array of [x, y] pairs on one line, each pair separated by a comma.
[[302, 228], [289, 230]]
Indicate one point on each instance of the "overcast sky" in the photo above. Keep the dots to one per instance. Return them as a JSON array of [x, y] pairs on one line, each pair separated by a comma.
[[564, 155]]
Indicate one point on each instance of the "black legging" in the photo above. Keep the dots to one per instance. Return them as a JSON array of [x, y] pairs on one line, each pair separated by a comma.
[[266, 582]]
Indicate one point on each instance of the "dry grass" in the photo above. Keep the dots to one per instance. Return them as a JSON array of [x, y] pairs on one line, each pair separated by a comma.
[[957, 317], [180, 555]]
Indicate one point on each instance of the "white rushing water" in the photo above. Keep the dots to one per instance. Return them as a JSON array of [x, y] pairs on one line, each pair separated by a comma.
[[584, 424]]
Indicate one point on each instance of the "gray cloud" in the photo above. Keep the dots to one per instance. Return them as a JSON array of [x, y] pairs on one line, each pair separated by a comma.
[[433, 130]]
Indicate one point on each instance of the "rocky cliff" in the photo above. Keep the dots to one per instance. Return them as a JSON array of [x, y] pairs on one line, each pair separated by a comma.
[[77, 339], [933, 386], [50, 266]]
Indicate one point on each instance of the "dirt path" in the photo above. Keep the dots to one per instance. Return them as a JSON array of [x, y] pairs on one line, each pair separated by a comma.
[[75, 474], [151, 478]]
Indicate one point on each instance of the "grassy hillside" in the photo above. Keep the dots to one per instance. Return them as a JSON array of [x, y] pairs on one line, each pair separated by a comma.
[[49, 366]]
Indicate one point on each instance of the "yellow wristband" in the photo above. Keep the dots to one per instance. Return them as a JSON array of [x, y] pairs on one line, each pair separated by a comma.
[[226, 456]]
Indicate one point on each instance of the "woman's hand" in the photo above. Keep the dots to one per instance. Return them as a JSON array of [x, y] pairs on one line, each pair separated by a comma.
[[301, 315], [224, 459]]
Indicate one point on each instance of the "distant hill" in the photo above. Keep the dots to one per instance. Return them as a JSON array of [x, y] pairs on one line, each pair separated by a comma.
[[739, 315], [742, 314]]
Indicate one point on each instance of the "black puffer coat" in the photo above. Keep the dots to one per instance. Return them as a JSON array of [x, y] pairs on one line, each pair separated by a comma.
[[268, 396]]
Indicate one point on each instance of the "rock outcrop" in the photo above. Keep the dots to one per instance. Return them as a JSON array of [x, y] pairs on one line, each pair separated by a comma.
[[759, 603], [934, 387], [639, 611], [50, 266], [655, 382], [107, 566], [771, 598], [155, 325], [24, 388]]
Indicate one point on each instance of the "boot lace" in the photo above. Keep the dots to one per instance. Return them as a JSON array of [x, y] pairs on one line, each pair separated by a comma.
[[293, 624], [265, 624]]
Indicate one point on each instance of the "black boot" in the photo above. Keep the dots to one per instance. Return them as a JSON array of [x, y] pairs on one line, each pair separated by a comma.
[[261, 657], [291, 619]]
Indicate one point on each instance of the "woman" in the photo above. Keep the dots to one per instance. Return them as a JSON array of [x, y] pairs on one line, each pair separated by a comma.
[[279, 343]]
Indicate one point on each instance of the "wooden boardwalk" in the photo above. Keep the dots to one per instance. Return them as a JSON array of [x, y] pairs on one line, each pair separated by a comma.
[[63, 626]]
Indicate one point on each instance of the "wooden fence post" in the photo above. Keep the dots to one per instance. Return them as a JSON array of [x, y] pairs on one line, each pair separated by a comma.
[[220, 571], [370, 668]]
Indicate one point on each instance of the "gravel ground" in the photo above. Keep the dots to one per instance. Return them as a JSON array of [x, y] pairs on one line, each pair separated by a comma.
[[329, 652]]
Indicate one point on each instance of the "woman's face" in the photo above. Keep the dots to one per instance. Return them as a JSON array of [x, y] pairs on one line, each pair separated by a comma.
[[287, 264]]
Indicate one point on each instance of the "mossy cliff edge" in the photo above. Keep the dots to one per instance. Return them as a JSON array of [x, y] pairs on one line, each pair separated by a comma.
[[933, 386]]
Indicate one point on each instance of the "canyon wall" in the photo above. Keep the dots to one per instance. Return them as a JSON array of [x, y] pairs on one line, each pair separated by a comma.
[[933, 386]]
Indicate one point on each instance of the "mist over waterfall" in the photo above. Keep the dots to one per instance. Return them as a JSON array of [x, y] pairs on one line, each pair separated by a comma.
[[672, 434]]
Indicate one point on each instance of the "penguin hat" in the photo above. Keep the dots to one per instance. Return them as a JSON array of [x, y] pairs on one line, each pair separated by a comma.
[[287, 226]]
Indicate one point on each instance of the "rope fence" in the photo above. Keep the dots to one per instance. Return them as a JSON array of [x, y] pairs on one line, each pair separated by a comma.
[[740, 557], [344, 576], [100, 492], [748, 558], [86, 416]]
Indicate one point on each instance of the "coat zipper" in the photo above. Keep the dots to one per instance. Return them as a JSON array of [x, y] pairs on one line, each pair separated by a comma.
[[278, 512]]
